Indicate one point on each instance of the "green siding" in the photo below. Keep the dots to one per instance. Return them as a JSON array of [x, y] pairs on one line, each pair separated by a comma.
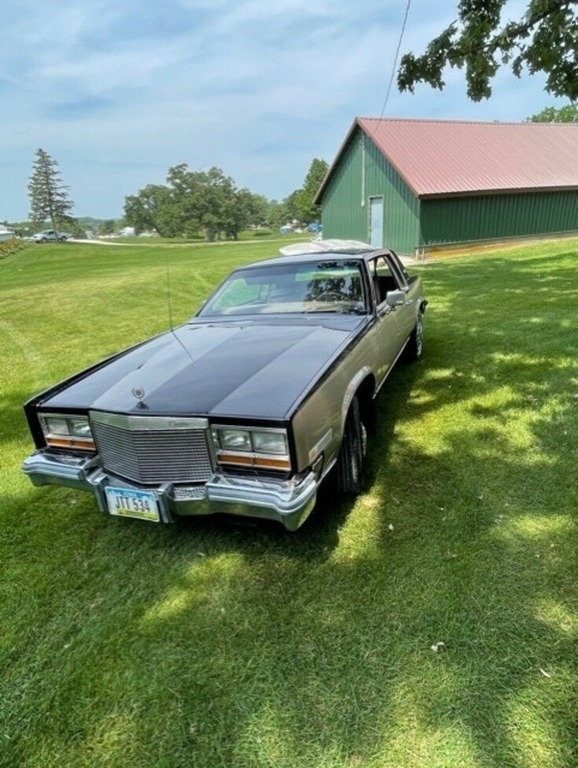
[[363, 173], [464, 219]]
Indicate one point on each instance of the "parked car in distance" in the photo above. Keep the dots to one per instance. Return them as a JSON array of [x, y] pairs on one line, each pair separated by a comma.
[[50, 236], [6, 233], [263, 395]]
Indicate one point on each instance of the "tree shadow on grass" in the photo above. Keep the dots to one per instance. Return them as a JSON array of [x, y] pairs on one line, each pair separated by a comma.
[[498, 579]]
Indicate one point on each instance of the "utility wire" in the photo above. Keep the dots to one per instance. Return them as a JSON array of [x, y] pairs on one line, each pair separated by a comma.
[[391, 79]]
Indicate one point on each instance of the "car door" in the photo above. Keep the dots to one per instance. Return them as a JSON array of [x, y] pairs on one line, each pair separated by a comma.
[[393, 323]]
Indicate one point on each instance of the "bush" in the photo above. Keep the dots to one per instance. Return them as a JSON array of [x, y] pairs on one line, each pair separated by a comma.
[[7, 247]]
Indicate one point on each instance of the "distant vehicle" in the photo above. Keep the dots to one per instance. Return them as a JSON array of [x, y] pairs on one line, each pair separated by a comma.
[[285, 229], [50, 236], [6, 233], [315, 226]]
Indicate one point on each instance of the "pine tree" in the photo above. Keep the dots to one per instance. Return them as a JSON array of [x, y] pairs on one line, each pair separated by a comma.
[[49, 198]]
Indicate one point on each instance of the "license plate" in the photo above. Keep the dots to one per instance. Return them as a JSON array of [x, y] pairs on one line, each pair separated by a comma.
[[126, 502]]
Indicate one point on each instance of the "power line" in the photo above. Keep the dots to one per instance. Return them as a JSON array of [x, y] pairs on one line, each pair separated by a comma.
[[396, 58]]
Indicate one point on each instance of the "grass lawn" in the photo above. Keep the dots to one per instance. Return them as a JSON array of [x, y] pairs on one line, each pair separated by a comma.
[[433, 623]]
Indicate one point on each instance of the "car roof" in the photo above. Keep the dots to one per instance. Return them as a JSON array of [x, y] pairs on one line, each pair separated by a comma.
[[312, 251]]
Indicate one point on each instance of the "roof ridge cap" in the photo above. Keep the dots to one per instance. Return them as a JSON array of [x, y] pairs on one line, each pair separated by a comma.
[[451, 121]]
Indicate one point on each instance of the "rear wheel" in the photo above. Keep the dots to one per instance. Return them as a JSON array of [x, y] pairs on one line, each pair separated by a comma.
[[349, 467]]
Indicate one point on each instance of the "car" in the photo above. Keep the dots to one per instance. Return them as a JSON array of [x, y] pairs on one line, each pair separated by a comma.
[[6, 233], [50, 236], [259, 401]]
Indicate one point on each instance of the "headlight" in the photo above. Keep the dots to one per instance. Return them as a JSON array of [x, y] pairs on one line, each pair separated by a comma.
[[235, 440], [259, 448], [270, 442], [63, 431], [55, 426], [80, 427]]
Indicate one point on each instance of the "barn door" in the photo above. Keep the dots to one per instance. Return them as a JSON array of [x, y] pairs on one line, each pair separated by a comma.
[[376, 222]]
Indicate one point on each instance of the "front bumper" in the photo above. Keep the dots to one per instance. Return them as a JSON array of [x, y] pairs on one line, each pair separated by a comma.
[[288, 502]]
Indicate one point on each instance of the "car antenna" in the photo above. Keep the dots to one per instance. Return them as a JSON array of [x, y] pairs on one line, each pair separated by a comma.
[[170, 312], [169, 299]]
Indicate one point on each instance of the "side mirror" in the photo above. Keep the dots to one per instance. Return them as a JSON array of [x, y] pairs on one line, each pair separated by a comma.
[[395, 298]]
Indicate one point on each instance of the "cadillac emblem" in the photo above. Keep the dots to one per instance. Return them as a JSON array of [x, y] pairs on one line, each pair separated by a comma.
[[139, 393]]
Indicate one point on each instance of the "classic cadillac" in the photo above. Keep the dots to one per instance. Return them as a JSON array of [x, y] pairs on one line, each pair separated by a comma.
[[250, 405]]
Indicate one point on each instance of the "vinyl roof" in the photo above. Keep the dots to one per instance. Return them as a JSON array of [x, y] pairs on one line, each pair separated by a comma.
[[444, 158]]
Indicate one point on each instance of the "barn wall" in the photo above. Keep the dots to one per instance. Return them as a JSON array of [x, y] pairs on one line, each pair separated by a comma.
[[464, 219], [362, 173]]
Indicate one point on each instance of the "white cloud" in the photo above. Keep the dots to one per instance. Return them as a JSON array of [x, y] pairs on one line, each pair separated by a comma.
[[119, 92]]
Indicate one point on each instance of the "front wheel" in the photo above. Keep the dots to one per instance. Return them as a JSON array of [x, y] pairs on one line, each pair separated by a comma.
[[349, 467]]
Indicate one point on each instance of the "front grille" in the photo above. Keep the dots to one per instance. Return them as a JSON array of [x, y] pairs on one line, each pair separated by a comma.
[[153, 450]]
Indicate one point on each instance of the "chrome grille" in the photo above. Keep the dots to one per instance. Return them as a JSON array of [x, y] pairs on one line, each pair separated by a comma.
[[149, 449]]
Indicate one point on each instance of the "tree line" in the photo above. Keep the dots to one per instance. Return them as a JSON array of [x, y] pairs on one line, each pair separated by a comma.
[[209, 203], [190, 204]]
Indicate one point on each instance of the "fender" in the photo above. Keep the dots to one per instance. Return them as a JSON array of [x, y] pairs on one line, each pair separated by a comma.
[[350, 392]]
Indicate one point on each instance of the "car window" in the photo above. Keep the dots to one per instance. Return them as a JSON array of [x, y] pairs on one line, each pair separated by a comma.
[[322, 286], [399, 269], [384, 279]]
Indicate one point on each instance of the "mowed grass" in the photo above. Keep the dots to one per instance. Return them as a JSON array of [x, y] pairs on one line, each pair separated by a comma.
[[431, 623]]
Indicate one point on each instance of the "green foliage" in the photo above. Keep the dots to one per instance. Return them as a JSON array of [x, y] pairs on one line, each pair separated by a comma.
[[9, 247], [193, 202], [107, 227], [155, 208], [299, 205], [209, 203], [223, 643], [49, 197], [543, 40], [566, 114], [306, 210]]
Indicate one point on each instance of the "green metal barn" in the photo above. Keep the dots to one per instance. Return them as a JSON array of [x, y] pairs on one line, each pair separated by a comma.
[[412, 185]]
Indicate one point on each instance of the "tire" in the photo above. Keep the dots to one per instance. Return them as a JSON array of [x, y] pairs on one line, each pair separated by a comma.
[[414, 348], [349, 467]]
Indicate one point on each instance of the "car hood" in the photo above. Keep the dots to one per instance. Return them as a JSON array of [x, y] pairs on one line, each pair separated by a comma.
[[232, 369]]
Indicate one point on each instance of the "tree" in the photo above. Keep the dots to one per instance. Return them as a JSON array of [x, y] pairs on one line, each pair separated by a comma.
[[205, 198], [49, 198], [107, 227], [543, 40], [193, 202], [155, 207], [567, 114], [307, 211]]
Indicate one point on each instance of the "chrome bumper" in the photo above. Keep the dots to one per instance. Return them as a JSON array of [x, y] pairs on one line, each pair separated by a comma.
[[289, 502]]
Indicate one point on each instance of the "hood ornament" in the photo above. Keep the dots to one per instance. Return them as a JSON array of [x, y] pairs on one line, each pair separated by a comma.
[[139, 393]]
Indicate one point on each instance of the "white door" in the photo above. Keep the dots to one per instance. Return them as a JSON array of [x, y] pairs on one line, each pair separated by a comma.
[[376, 222]]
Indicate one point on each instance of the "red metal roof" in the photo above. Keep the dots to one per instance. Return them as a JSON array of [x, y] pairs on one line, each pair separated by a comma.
[[441, 157]]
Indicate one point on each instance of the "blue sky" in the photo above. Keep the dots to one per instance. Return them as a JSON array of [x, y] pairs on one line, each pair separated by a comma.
[[118, 91]]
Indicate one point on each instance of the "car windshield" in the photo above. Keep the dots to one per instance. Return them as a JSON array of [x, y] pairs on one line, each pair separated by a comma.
[[322, 286]]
